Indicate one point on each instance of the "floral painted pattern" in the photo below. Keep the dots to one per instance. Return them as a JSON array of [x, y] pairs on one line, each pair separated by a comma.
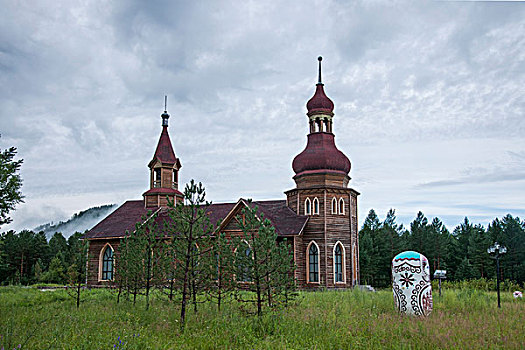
[[407, 279]]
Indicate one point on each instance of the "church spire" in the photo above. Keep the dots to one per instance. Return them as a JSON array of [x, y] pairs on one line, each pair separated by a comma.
[[164, 169], [321, 156], [165, 116]]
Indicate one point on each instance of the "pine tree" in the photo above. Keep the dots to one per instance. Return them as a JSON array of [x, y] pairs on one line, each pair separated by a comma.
[[223, 269], [477, 250], [418, 233], [76, 272], [262, 260], [368, 252], [191, 233], [10, 184], [58, 247], [139, 262], [56, 272]]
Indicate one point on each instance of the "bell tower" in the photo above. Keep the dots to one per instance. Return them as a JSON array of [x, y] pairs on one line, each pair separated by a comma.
[[329, 242], [164, 170]]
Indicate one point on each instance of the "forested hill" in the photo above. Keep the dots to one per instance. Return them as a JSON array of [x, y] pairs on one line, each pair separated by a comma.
[[80, 221]]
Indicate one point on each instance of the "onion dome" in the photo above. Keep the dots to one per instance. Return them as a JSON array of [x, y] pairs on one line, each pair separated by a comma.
[[320, 103], [321, 155]]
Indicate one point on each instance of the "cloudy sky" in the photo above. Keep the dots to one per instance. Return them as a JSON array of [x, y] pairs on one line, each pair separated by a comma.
[[429, 100]]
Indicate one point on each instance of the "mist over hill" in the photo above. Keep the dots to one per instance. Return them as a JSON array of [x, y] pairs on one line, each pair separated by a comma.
[[80, 221]]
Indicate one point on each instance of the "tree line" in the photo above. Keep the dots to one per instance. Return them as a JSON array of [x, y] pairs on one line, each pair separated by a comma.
[[462, 252], [27, 257]]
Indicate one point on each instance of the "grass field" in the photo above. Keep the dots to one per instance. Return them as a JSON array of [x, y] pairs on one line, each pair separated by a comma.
[[462, 319]]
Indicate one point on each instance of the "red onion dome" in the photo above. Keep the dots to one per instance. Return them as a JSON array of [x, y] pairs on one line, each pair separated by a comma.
[[320, 103], [321, 154]]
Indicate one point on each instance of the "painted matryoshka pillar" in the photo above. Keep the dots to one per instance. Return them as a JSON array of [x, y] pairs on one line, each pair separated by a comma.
[[411, 284]]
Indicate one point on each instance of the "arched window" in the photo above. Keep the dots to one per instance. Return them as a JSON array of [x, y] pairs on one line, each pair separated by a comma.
[[316, 206], [334, 205], [307, 206], [313, 262], [341, 206], [107, 264], [339, 263], [244, 255]]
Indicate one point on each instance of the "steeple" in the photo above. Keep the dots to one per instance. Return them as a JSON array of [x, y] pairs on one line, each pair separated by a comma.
[[321, 163], [164, 170]]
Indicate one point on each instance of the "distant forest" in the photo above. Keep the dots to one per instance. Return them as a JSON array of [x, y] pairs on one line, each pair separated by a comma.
[[28, 257], [46, 254], [462, 252]]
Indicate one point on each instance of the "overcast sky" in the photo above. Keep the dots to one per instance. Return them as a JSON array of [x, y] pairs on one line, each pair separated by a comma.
[[429, 100]]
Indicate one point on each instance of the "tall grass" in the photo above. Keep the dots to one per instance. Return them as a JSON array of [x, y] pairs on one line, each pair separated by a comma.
[[321, 320]]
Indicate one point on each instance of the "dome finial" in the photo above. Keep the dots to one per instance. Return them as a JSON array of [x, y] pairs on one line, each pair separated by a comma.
[[319, 59], [320, 103]]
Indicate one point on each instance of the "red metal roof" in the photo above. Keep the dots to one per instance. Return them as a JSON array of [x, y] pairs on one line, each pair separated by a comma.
[[321, 154], [164, 151], [118, 222], [320, 103], [162, 190], [285, 221]]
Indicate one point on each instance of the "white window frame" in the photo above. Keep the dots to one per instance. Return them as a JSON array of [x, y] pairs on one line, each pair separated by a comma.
[[341, 206], [307, 206], [101, 262], [343, 262], [314, 211], [334, 206]]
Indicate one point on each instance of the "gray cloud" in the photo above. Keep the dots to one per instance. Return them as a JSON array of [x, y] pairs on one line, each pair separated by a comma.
[[480, 179], [82, 88]]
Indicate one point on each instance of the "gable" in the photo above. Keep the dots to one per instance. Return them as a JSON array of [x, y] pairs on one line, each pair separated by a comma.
[[285, 221]]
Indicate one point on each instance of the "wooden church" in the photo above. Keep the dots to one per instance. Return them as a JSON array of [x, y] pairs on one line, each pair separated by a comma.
[[318, 216]]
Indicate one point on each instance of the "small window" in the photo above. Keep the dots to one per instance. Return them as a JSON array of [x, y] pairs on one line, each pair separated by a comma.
[[307, 207], [175, 179], [313, 263], [334, 205], [243, 265], [156, 177], [107, 264], [341, 206], [338, 263], [316, 206]]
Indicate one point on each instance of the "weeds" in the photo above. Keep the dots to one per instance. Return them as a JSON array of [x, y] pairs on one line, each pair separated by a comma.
[[323, 320]]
